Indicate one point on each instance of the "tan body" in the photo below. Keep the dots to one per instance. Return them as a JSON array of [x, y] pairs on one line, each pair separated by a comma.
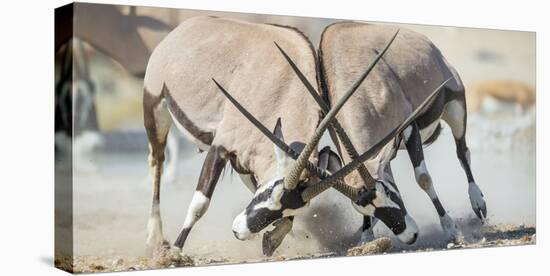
[[242, 56]]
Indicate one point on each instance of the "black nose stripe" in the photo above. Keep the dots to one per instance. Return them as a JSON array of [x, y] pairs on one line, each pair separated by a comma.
[[393, 218], [260, 218]]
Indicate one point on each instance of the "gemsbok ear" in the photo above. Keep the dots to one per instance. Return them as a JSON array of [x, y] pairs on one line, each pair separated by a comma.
[[280, 155], [278, 131]]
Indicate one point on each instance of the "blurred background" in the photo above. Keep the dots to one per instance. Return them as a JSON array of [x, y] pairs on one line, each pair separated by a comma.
[[111, 191]]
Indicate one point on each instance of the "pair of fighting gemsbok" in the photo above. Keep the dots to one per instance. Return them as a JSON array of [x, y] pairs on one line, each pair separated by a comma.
[[209, 72]]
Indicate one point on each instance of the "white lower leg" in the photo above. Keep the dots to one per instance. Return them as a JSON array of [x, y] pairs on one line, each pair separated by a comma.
[[447, 223], [425, 182], [198, 206], [154, 229], [449, 227]]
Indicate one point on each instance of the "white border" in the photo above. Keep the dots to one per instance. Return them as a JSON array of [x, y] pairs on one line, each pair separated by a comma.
[[27, 123]]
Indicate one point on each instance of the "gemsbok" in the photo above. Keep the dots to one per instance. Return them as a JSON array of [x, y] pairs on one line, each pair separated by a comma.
[[178, 90], [410, 69]]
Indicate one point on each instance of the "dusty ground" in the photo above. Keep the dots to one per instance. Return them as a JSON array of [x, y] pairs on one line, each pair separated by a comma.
[[491, 236]]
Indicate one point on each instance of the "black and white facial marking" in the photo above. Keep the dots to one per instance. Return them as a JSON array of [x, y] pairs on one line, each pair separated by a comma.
[[385, 204], [270, 203]]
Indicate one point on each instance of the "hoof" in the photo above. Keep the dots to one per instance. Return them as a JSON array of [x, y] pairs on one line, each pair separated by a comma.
[[155, 239], [478, 203], [366, 237], [451, 229], [156, 249]]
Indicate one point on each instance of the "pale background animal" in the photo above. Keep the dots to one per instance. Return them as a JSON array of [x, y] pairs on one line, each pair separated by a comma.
[[508, 92]]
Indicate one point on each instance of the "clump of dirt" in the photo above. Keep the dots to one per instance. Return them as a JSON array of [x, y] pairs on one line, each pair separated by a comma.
[[501, 235], [161, 259], [377, 246], [170, 257]]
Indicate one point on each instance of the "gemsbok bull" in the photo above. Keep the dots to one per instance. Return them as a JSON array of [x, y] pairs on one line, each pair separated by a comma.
[[411, 68], [178, 90]]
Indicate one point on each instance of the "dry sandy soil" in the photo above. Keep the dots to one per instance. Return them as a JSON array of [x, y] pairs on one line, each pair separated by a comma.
[[491, 236]]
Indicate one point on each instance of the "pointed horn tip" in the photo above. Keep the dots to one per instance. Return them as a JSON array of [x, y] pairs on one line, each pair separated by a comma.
[[279, 47], [219, 85], [395, 34]]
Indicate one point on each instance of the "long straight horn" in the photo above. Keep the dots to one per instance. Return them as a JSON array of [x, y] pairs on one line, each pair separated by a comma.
[[326, 183], [293, 177], [278, 142], [350, 149], [341, 186], [336, 126]]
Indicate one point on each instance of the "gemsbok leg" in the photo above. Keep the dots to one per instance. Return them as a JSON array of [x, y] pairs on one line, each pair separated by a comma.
[[157, 123], [413, 143], [367, 234], [455, 115], [212, 168]]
